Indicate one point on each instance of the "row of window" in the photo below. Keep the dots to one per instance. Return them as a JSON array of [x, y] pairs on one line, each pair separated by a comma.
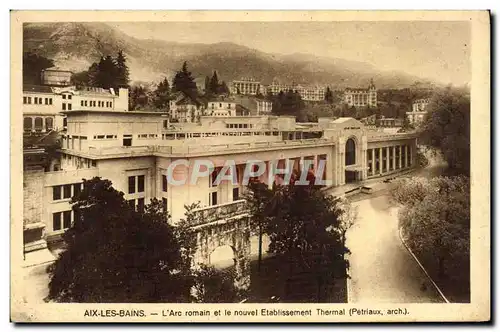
[[37, 100], [66, 191], [147, 136], [96, 103], [38, 124], [66, 106], [239, 125], [213, 196], [68, 96]]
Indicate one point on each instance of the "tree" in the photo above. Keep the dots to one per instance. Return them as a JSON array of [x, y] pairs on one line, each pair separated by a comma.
[[107, 73], [122, 71], [328, 95], [223, 88], [435, 223], [138, 97], [184, 82], [117, 254], [214, 286], [214, 84], [303, 225], [162, 95], [289, 103], [447, 128], [207, 85], [80, 79], [33, 64]]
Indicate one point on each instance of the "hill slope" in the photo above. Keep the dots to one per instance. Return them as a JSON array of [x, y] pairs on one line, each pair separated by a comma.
[[75, 46]]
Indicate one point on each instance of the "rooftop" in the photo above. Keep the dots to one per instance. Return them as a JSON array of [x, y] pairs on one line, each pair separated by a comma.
[[37, 88]]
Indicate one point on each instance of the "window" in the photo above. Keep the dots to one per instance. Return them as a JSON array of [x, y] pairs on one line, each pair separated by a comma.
[[140, 205], [236, 194], [67, 191], [46, 101], [140, 183], [213, 176], [131, 184], [165, 204], [56, 221], [127, 140], [29, 100], [56, 193], [69, 97], [38, 124], [66, 219], [69, 107], [50, 101], [28, 124], [81, 102], [35, 100], [25, 100], [64, 106], [63, 96], [65, 122], [77, 188], [94, 163], [165, 183], [49, 124], [213, 198]]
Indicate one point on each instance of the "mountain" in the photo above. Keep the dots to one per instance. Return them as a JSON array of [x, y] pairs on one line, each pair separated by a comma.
[[75, 46]]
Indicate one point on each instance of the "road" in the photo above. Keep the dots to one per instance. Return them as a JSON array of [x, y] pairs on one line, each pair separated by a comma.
[[382, 269]]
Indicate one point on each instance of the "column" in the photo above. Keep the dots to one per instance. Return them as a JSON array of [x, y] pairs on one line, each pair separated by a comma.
[[387, 158], [373, 162], [380, 161], [407, 157], [400, 156], [393, 150]]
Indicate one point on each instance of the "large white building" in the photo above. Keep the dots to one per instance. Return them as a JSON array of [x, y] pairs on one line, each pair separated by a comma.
[[309, 93], [360, 97], [43, 104], [247, 86], [135, 149]]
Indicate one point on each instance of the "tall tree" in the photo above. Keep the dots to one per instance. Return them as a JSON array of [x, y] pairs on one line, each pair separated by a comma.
[[122, 71], [447, 127], [207, 85], [117, 254], [138, 97], [106, 73], [184, 82], [214, 84], [328, 95], [223, 88], [162, 95], [304, 227], [33, 64]]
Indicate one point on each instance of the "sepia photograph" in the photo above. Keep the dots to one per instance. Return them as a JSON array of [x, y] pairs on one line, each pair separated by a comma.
[[310, 166]]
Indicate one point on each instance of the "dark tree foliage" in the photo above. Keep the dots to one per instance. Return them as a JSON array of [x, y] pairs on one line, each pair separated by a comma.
[[447, 128], [162, 95], [107, 73], [80, 79], [122, 71], [214, 286], [328, 95], [138, 98], [33, 64], [223, 88], [304, 227], [289, 103], [184, 82], [115, 254]]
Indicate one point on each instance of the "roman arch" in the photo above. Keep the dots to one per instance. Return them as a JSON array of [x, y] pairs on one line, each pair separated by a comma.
[[233, 232]]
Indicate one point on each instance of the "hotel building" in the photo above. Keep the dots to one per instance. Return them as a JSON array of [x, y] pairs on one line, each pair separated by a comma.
[[359, 97], [309, 93], [418, 112], [247, 86]]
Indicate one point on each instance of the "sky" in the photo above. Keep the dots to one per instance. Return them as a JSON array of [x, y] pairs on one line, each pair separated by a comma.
[[435, 50]]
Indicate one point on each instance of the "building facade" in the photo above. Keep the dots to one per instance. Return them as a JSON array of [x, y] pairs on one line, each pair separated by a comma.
[[183, 108], [134, 150], [221, 107], [308, 93], [247, 86], [43, 104], [360, 97], [418, 111]]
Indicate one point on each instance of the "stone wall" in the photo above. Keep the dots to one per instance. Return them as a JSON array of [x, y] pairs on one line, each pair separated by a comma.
[[33, 180]]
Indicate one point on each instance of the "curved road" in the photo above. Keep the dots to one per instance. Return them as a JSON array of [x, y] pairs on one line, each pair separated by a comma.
[[382, 269]]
